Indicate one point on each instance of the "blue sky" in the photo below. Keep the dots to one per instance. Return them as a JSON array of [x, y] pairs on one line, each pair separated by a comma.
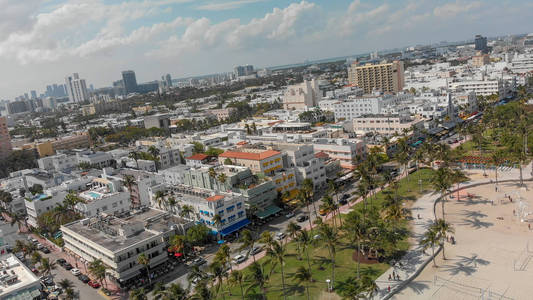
[[41, 41]]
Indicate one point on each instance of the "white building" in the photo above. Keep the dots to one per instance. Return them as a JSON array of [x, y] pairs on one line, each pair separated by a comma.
[[98, 159], [58, 162], [17, 281], [386, 124], [343, 150], [480, 87], [76, 88], [37, 205], [302, 96], [104, 196], [118, 242], [302, 158]]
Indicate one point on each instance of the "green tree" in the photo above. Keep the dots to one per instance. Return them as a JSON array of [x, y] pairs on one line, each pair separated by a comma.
[[248, 240], [135, 156], [173, 292], [442, 228], [186, 211], [329, 237], [142, 259], [441, 182], [257, 278], [46, 266], [98, 269], [237, 277], [429, 240], [138, 294], [129, 182], [304, 275]]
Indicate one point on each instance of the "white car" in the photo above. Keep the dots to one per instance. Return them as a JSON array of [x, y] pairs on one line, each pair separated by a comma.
[[239, 259], [75, 272], [280, 235], [289, 215]]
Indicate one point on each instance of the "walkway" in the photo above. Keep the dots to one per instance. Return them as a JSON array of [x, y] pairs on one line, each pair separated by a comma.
[[415, 259]]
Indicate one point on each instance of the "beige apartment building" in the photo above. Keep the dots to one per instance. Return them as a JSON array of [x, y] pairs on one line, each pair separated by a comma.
[[265, 161], [386, 77]]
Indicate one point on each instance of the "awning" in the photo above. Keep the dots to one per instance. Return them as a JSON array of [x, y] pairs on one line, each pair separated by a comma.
[[270, 210], [234, 227], [177, 254]]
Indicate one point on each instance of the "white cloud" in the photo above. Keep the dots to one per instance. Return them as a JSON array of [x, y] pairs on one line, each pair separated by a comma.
[[216, 6], [452, 9]]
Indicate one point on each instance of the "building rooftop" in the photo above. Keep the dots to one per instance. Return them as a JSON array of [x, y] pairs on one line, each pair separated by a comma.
[[250, 155], [214, 198], [14, 275], [115, 234], [198, 156]]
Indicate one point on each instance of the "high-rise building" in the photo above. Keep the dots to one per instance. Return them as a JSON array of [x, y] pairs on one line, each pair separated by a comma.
[[5, 140], [302, 96], [33, 94], [239, 71], [385, 77], [480, 43], [168, 80], [76, 88], [16, 107], [130, 81]]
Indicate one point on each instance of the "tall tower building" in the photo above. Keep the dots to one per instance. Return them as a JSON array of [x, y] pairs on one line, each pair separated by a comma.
[[130, 81], [480, 43], [33, 94], [385, 77], [5, 140], [168, 80], [76, 88]]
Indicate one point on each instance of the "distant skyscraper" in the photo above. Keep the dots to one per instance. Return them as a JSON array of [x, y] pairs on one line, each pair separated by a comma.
[[16, 107], [26, 96], [239, 71], [168, 79], [480, 43], [130, 81], [5, 140], [76, 88], [33, 94]]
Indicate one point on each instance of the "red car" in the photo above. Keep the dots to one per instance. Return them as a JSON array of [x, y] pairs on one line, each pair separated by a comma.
[[93, 284]]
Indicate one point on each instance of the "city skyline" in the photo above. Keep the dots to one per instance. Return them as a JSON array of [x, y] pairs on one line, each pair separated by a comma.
[[43, 41]]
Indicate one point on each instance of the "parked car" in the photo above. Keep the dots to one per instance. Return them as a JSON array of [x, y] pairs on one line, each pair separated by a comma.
[[84, 278], [323, 212], [39, 246], [289, 215], [280, 235], [67, 266], [45, 250], [316, 237], [198, 261], [255, 250], [239, 259], [302, 218], [93, 284], [47, 280], [61, 261], [345, 196], [75, 272], [343, 202]]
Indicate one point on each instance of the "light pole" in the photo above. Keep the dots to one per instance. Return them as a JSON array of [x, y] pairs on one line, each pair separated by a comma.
[[329, 285]]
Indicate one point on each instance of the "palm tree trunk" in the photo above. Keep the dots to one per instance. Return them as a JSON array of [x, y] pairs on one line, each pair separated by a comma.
[[283, 281], [521, 178], [443, 256], [358, 259], [309, 215], [308, 260], [442, 200], [242, 291], [433, 250], [332, 271], [307, 288]]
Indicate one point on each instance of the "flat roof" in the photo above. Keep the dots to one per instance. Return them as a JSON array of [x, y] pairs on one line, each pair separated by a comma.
[[22, 277], [154, 221], [250, 155]]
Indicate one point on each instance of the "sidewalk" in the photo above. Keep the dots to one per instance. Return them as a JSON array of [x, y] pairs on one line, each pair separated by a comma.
[[415, 259]]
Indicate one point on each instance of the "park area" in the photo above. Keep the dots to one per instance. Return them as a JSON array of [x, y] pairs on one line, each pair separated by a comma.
[[493, 249], [406, 191]]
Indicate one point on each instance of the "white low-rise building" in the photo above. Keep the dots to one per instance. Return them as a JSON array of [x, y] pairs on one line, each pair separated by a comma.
[[16, 280], [386, 124]]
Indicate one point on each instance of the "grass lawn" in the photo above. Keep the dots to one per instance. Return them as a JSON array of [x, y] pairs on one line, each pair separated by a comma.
[[346, 267]]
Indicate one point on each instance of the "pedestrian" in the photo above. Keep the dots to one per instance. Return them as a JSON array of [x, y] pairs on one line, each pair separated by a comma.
[[514, 212], [389, 277], [492, 202], [418, 216], [398, 277], [388, 289], [393, 274], [529, 226]]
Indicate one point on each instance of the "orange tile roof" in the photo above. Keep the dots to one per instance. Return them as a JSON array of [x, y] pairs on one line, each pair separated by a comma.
[[198, 156], [242, 143], [321, 154], [249, 155], [214, 198]]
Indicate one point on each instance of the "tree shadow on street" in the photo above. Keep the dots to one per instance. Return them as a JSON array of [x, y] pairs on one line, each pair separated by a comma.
[[476, 223]]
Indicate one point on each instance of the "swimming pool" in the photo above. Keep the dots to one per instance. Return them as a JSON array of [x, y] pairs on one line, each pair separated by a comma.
[[94, 195]]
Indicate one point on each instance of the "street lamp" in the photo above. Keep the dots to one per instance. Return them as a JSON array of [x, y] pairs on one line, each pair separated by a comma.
[[329, 284]]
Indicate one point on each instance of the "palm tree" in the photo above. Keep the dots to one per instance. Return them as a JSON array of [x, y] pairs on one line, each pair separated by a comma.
[[69, 292], [333, 188], [18, 219], [98, 269], [292, 231], [308, 187], [154, 151], [46, 266], [354, 231], [429, 240], [304, 275], [442, 228], [172, 292], [217, 222], [302, 198], [195, 274], [305, 242], [142, 259], [65, 284], [171, 202], [441, 182], [36, 257], [186, 210], [330, 238], [277, 253], [236, 277], [217, 269], [393, 213], [160, 198], [129, 181], [497, 159], [402, 154], [248, 241], [223, 255], [257, 278], [212, 173], [330, 207], [222, 179], [177, 243], [135, 156], [368, 286], [138, 294], [418, 157]]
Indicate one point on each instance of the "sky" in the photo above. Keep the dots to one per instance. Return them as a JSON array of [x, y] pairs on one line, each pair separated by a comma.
[[42, 41]]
